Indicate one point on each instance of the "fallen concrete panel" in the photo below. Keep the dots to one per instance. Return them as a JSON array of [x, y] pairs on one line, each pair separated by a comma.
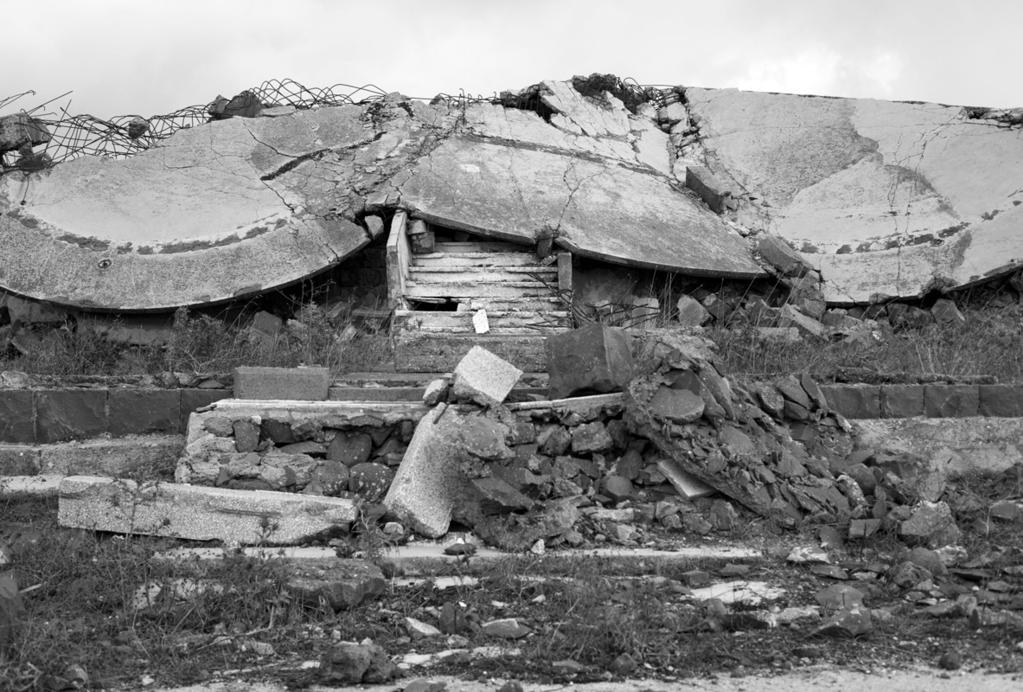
[[199, 513], [885, 199], [242, 205], [199, 219], [597, 207]]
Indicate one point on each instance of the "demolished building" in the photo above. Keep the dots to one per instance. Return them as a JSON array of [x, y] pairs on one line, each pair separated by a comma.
[[883, 199]]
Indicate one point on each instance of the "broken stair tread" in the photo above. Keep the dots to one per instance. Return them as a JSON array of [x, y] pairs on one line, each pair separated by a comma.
[[509, 289], [475, 259], [458, 323], [480, 246], [496, 276], [521, 272]]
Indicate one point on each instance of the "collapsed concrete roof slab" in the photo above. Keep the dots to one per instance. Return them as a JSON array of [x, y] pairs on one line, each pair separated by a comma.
[[196, 220], [238, 206], [596, 208], [886, 199]]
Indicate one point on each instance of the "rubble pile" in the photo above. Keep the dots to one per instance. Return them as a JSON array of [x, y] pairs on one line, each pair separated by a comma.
[[596, 465], [326, 454]]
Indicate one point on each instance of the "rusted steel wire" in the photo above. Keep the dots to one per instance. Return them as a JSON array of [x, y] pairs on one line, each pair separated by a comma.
[[74, 136]]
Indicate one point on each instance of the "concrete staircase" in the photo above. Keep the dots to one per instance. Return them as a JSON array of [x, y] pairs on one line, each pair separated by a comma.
[[493, 294]]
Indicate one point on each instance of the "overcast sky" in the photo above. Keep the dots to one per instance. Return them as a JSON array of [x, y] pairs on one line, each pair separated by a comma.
[[151, 57]]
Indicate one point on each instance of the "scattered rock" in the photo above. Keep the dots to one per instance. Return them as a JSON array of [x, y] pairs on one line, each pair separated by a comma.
[[932, 524], [840, 597], [341, 584], [353, 663], [418, 629], [505, 628], [483, 377], [852, 622]]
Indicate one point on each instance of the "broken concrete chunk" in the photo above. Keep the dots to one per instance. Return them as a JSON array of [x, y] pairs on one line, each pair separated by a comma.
[[709, 188], [429, 480], [484, 378], [21, 129], [790, 316], [590, 359], [679, 405], [198, 512], [931, 524], [687, 485], [435, 392], [341, 584], [782, 256], [691, 313]]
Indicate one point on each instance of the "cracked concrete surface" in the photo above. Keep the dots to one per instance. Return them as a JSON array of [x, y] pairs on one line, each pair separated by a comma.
[[886, 199]]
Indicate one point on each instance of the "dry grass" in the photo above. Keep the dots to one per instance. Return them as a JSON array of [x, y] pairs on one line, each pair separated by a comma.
[[201, 343], [990, 343]]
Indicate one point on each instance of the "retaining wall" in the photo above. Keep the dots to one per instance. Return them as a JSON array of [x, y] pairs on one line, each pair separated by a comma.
[[45, 416]]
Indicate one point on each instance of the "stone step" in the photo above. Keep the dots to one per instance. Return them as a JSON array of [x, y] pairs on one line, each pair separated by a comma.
[[500, 322], [467, 275], [418, 379], [469, 290], [418, 351], [475, 259], [481, 246]]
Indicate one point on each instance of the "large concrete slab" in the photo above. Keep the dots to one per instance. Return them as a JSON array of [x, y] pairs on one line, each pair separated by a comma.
[[885, 199], [238, 206], [203, 217], [598, 207], [199, 513]]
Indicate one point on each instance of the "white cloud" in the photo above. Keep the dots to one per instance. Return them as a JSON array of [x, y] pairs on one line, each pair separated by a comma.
[[823, 71]]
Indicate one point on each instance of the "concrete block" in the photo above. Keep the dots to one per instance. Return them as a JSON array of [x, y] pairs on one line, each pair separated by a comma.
[[1000, 400], [902, 400], [194, 399], [18, 460], [292, 384], [708, 187], [591, 359], [429, 482], [951, 400], [200, 513], [853, 400], [782, 256], [17, 416], [144, 411], [30, 486], [70, 414], [483, 377], [148, 456]]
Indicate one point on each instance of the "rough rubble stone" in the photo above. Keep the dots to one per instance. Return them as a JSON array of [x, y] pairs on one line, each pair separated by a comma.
[[691, 313], [677, 405], [370, 480], [594, 358], [780, 255], [932, 524], [350, 449], [351, 663], [518, 532], [591, 437], [483, 377], [342, 584], [199, 513]]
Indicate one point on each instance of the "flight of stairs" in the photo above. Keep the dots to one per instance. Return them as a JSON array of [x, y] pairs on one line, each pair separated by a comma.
[[433, 326]]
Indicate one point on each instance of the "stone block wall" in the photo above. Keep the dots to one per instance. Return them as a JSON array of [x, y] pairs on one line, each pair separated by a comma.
[[319, 448], [46, 416]]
